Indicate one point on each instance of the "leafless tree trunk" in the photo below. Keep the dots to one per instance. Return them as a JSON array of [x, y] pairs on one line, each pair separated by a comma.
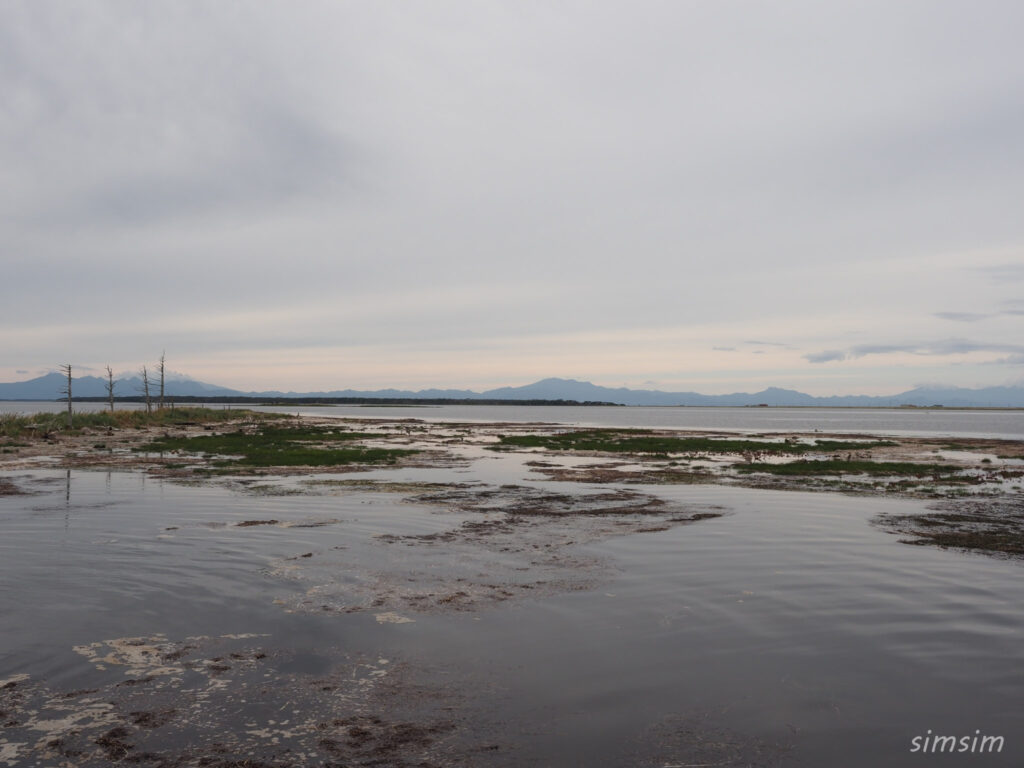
[[66, 389], [145, 389], [110, 388], [161, 381]]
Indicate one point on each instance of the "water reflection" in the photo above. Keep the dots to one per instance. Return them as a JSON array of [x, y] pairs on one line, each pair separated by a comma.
[[787, 632]]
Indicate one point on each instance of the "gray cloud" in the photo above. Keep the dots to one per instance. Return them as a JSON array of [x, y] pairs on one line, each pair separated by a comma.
[[724, 349], [826, 356], [1002, 273], [881, 349], [973, 317], [962, 317], [1009, 360], [277, 161], [941, 348]]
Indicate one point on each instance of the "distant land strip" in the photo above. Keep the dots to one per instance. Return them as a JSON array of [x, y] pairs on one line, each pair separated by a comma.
[[339, 400]]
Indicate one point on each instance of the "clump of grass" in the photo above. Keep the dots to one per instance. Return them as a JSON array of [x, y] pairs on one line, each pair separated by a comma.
[[803, 467], [276, 447], [645, 441], [15, 425]]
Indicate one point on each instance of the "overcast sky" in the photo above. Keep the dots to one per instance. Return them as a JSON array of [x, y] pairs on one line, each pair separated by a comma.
[[713, 196]]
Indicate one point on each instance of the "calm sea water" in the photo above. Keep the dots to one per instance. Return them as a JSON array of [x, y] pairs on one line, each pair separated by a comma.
[[789, 624], [909, 422]]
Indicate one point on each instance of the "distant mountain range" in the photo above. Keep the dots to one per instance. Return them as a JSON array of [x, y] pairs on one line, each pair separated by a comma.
[[48, 388]]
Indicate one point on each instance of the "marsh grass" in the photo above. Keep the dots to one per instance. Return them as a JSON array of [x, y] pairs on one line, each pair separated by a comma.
[[805, 467], [645, 441], [272, 446], [15, 426]]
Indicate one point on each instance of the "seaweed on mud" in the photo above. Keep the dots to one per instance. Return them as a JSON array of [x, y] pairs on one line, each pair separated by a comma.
[[1003, 449], [945, 472], [278, 447], [992, 526], [648, 441], [61, 748], [8, 488], [361, 737], [115, 744], [521, 501], [603, 475]]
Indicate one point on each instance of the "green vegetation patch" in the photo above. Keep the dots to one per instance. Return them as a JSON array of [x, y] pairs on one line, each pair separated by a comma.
[[278, 447], [805, 467], [645, 441], [14, 425]]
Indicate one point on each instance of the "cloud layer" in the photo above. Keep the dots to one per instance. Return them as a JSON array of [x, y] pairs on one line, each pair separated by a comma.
[[704, 195]]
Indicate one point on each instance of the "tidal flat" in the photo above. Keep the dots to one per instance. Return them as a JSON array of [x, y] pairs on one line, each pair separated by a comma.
[[313, 591]]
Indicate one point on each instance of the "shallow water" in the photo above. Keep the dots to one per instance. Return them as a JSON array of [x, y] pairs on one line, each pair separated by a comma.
[[119, 554], [900, 422], [787, 632], [897, 422]]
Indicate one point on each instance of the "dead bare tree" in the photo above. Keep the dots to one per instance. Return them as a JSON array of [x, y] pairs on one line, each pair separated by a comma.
[[161, 369], [66, 389], [110, 388], [145, 389]]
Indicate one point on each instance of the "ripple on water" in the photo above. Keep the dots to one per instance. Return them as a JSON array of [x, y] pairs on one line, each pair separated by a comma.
[[788, 628]]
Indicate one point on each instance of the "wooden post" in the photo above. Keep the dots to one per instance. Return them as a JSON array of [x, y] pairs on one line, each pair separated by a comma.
[[110, 388], [161, 381], [66, 390], [145, 389]]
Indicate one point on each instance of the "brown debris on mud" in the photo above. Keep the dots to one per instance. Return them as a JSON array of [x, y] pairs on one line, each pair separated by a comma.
[[990, 526], [600, 474], [514, 542], [362, 711], [518, 500], [9, 488]]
